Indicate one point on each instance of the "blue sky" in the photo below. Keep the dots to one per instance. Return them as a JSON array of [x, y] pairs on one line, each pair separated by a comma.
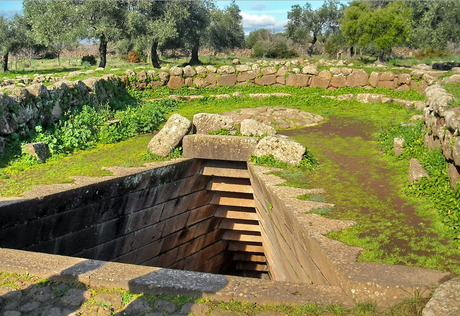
[[256, 14]]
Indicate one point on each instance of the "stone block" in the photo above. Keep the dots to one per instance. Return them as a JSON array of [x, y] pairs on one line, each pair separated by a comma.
[[282, 148], [176, 82], [175, 224], [175, 71], [244, 76], [204, 123], [403, 87], [200, 214], [269, 71], [374, 79], [199, 82], [398, 145], [297, 80], [226, 70], [423, 85], [281, 80], [189, 71], [141, 76], [386, 84], [233, 148], [416, 171], [387, 76], [358, 78], [250, 127], [170, 135], [339, 81], [454, 175], [226, 80], [319, 82], [444, 300], [326, 74], [266, 80], [39, 150], [310, 70]]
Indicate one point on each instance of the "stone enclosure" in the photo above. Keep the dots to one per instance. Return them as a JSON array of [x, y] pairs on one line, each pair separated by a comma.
[[202, 214]]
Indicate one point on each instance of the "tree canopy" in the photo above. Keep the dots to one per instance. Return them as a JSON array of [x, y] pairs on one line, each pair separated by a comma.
[[383, 28]]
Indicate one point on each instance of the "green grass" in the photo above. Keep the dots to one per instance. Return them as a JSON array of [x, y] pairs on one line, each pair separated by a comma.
[[21, 176]]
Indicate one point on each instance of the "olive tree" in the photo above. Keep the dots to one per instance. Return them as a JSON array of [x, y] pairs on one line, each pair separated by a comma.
[[155, 22], [225, 30], [53, 23], [306, 25], [382, 28], [102, 21]]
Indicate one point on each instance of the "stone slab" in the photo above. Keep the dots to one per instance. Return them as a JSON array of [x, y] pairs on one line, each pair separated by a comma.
[[218, 147], [152, 280]]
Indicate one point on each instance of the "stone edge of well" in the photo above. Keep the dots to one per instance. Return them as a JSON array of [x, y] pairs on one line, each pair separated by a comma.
[[153, 280]]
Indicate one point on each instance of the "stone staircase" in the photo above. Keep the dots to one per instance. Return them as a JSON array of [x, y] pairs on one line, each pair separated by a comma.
[[233, 196]]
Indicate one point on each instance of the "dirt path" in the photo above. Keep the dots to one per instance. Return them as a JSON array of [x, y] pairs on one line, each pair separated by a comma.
[[364, 187]]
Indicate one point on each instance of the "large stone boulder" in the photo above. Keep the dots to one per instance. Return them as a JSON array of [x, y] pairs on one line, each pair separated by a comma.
[[282, 148], [205, 123], [170, 135], [250, 127], [445, 300], [416, 171], [39, 150]]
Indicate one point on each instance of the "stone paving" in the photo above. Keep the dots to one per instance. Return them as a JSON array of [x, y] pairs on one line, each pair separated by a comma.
[[29, 296]]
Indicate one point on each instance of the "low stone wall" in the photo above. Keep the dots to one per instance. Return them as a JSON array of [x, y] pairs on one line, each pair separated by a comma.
[[443, 129], [306, 76], [21, 108], [161, 217]]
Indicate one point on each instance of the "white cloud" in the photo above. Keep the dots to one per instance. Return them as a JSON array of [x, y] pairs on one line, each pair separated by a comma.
[[253, 22], [259, 6]]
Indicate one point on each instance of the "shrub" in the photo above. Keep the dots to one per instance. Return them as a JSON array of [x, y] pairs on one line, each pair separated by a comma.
[[90, 59], [430, 53], [136, 57]]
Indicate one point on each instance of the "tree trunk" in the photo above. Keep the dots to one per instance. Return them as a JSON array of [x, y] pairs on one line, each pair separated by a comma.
[[313, 41], [5, 63], [103, 51], [349, 52], [194, 60], [59, 59], [154, 55], [381, 54]]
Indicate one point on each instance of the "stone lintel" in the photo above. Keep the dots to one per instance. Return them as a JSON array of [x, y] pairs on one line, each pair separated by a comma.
[[218, 147]]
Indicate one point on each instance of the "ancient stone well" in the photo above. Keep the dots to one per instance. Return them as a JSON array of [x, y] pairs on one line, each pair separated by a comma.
[[210, 212]]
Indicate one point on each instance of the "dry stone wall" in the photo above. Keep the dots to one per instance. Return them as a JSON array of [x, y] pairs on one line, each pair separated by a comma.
[[307, 76], [443, 128], [21, 108]]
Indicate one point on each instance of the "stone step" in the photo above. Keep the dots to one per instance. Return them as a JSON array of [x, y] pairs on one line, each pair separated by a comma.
[[241, 236], [233, 199], [239, 185], [230, 212], [245, 247], [251, 266], [248, 226], [229, 169], [246, 256]]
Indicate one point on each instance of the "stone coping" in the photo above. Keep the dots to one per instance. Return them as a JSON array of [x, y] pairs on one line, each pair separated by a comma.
[[151, 280]]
